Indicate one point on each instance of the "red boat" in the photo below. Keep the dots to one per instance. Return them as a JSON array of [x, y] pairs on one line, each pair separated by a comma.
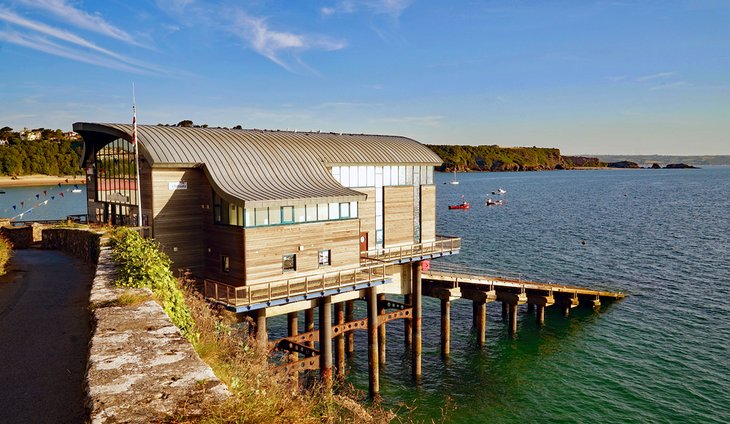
[[462, 205]]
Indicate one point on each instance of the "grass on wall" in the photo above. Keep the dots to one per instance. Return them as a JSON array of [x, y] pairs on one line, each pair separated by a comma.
[[5, 253]]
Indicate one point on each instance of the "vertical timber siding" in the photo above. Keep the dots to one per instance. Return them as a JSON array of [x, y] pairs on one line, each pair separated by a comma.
[[398, 215], [366, 213], [428, 213], [265, 247], [177, 216]]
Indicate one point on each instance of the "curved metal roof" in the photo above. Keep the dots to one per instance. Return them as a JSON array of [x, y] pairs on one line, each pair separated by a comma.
[[258, 168]]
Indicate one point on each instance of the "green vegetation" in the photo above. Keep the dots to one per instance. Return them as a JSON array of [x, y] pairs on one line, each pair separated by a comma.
[[53, 153], [5, 252], [495, 158], [141, 264], [260, 392]]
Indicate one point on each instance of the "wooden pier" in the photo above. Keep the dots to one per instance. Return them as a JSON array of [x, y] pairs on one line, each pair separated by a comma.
[[445, 283]]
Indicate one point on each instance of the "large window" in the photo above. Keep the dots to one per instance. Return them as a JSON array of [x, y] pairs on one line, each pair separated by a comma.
[[392, 175], [116, 174]]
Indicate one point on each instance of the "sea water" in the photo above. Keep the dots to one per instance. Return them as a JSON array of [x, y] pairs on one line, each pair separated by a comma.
[[660, 355], [61, 202]]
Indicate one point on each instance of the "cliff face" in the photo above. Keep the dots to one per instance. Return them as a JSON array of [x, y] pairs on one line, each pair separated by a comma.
[[495, 158]]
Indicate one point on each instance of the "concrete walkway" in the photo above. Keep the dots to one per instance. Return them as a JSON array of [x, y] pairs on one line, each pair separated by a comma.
[[44, 338]]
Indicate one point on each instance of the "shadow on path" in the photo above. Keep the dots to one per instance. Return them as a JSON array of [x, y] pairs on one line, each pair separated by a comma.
[[44, 337]]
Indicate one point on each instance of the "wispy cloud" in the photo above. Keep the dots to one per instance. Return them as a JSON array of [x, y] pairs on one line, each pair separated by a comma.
[[669, 85], [80, 19], [659, 75], [393, 8], [426, 121], [38, 40]]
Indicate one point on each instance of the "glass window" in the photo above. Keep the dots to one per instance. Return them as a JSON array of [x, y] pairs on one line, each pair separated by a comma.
[[429, 173], [336, 172], [262, 216], [334, 211], [299, 214], [324, 258], [344, 210], [401, 175], [393, 175], [287, 214], [353, 209], [323, 212], [353, 176], [386, 175], [371, 177], [248, 217], [362, 176], [311, 213], [409, 175], [232, 216], [417, 175], [225, 264], [345, 176], [289, 263], [274, 216]]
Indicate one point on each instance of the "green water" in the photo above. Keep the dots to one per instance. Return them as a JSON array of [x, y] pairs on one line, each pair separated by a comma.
[[660, 355]]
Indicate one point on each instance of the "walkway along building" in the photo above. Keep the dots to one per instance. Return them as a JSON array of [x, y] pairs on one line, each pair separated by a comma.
[[279, 222]]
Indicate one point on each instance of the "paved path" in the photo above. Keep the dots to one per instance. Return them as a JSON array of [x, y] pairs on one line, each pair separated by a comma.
[[44, 337]]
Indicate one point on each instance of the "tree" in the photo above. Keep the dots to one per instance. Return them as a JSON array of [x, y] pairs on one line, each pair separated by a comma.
[[185, 123]]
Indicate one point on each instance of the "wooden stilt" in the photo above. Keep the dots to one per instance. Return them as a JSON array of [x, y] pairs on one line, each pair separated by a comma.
[[309, 324], [340, 341], [325, 340], [262, 334], [505, 310], [530, 308], [407, 325], [481, 322], [512, 319], [445, 328], [416, 329], [373, 369], [292, 324], [381, 332], [350, 336], [540, 315]]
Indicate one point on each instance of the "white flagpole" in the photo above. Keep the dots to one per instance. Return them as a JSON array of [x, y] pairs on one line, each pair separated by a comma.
[[136, 158]]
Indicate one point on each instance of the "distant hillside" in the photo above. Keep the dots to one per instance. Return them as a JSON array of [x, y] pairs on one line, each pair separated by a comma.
[[664, 160], [495, 158]]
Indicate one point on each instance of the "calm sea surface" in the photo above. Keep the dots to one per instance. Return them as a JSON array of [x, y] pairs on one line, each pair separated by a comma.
[[660, 355], [58, 206]]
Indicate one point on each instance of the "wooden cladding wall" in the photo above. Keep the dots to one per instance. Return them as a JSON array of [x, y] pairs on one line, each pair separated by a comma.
[[398, 215], [366, 212], [265, 247], [176, 213], [428, 213]]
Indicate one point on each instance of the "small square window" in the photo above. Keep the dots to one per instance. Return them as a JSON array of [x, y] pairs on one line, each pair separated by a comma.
[[289, 262], [225, 264], [325, 258], [344, 210], [287, 214]]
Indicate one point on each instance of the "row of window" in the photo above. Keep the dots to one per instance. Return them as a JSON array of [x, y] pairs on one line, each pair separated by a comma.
[[372, 176], [288, 262], [228, 213]]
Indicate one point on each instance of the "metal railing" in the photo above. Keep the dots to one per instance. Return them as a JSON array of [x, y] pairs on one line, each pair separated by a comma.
[[286, 288], [442, 244]]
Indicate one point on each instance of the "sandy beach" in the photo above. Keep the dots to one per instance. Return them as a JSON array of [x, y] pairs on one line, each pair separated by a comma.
[[40, 180]]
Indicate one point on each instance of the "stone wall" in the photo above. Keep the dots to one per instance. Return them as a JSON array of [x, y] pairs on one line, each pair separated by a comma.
[[20, 237], [81, 243], [140, 368]]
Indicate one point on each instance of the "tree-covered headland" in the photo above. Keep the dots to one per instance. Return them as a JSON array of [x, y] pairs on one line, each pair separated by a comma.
[[496, 158], [39, 151]]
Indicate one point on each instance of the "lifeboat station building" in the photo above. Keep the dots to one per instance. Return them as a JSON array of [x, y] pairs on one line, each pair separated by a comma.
[[280, 222]]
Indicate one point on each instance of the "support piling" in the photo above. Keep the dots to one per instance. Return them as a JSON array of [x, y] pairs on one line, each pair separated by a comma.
[[373, 368], [325, 340], [340, 341], [445, 328], [416, 329]]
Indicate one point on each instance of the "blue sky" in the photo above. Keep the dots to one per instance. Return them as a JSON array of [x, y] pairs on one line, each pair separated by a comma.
[[588, 77]]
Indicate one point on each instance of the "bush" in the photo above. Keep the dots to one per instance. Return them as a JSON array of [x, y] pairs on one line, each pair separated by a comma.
[[141, 264], [5, 253]]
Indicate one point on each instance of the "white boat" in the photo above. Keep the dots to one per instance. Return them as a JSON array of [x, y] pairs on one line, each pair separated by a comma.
[[491, 202], [76, 190], [499, 191], [454, 181]]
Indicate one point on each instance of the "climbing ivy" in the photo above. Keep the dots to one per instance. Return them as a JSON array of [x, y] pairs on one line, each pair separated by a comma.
[[141, 264]]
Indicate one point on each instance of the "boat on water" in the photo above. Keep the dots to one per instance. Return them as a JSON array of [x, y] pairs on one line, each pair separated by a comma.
[[76, 190], [492, 202], [454, 181], [499, 191], [462, 205]]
